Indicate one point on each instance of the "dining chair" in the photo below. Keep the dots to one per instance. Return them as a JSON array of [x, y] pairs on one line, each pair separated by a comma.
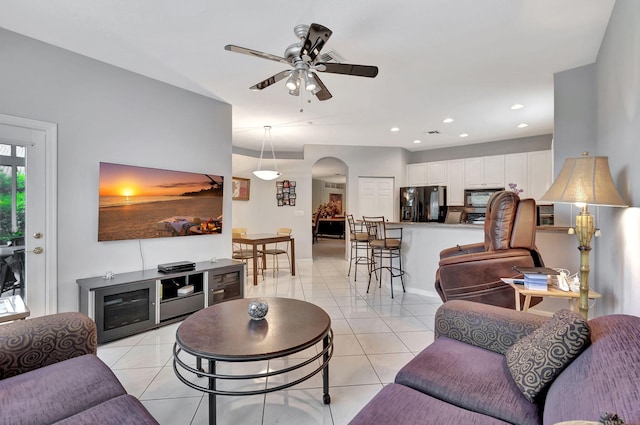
[[278, 248], [314, 228], [240, 230], [244, 253], [385, 243]]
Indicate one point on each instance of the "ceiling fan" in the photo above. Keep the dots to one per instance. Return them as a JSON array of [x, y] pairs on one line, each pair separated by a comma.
[[304, 57]]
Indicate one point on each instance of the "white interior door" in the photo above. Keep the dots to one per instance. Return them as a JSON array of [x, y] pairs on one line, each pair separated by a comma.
[[40, 142], [376, 197]]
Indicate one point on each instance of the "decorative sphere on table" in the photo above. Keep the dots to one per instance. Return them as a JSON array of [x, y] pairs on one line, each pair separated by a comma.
[[258, 309]]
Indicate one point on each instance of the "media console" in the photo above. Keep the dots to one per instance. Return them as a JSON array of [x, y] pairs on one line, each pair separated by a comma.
[[134, 302]]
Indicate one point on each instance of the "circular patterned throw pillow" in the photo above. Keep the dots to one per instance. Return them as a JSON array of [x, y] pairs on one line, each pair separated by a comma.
[[536, 359]]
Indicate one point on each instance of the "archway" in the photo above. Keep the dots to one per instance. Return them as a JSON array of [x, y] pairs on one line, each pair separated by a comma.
[[329, 202]]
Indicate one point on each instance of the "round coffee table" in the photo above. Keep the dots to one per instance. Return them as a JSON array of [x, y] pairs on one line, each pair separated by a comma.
[[225, 332]]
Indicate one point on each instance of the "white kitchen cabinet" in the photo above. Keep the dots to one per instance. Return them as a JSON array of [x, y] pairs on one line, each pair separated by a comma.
[[540, 173], [516, 171], [437, 173], [484, 172], [531, 171], [473, 172], [417, 174], [494, 171], [455, 182]]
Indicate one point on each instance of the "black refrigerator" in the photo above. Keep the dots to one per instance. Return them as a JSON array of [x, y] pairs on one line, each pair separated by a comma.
[[423, 203]]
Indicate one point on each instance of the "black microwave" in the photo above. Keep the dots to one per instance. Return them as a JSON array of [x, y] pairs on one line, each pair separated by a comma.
[[478, 198], [545, 215]]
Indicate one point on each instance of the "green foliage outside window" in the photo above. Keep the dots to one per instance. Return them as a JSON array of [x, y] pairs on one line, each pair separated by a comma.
[[7, 233]]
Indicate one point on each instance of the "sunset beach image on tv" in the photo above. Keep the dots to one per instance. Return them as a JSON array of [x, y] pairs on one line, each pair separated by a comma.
[[140, 202]]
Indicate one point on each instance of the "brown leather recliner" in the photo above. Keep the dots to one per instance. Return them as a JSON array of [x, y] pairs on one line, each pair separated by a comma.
[[472, 272]]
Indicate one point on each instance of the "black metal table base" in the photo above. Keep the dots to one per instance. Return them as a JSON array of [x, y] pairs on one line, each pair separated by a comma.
[[180, 367]]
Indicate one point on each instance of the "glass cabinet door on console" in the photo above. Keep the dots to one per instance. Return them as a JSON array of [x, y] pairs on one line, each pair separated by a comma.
[[125, 309], [225, 287]]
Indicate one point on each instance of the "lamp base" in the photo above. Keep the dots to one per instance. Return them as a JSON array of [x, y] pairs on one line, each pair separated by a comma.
[[584, 231]]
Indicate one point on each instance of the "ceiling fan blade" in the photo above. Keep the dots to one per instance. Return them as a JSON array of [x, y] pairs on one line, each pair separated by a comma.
[[316, 39], [271, 80], [347, 69], [250, 52], [322, 93]]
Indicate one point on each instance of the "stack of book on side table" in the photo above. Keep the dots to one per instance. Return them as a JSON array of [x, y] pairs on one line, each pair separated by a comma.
[[535, 282], [536, 278]]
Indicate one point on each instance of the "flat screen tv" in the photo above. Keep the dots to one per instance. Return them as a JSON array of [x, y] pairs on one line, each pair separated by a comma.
[[140, 202]]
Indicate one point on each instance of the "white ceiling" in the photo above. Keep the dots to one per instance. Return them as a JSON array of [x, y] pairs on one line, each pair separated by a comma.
[[465, 59]]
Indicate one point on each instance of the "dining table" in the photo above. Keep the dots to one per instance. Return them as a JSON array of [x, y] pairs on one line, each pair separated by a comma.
[[263, 239]]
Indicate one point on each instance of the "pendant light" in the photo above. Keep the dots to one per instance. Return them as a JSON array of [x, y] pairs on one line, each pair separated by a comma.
[[267, 174]]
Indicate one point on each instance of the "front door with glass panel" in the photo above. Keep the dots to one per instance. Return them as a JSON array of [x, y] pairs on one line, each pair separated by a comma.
[[12, 219], [23, 214]]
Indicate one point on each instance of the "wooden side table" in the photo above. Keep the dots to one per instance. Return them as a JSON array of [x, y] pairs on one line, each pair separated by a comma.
[[13, 308], [551, 292]]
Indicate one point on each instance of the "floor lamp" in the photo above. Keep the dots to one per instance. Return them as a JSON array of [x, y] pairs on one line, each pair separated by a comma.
[[582, 181]]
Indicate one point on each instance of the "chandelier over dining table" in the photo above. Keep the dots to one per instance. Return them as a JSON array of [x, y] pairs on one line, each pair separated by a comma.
[[267, 174]]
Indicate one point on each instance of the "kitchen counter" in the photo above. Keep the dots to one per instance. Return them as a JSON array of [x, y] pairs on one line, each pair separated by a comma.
[[422, 243], [471, 226]]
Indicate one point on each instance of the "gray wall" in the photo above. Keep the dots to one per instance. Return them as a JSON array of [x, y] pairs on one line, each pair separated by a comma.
[[105, 113], [618, 120], [575, 129], [575, 109], [597, 108]]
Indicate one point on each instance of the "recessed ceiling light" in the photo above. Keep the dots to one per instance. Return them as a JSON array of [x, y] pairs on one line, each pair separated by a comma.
[[417, 141], [447, 120], [517, 106], [464, 135], [394, 129], [523, 125]]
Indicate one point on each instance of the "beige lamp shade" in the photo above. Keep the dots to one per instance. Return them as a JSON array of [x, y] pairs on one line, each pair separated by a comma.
[[585, 179]]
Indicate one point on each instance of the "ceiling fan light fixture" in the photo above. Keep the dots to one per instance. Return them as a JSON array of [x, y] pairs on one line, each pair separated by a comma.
[[292, 82], [309, 82]]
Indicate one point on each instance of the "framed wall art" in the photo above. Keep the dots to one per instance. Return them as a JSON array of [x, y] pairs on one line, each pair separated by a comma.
[[286, 193], [336, 199], [240, 188]]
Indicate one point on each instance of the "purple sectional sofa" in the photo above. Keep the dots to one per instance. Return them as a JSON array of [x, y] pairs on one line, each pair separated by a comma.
[[464, 377], [49, 374]]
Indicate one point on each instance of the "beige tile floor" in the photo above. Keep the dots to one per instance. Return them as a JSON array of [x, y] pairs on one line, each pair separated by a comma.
[[374, 337]]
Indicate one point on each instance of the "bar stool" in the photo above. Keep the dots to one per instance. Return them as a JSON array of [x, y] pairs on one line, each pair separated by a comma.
[[359, 238], [386, 244]]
